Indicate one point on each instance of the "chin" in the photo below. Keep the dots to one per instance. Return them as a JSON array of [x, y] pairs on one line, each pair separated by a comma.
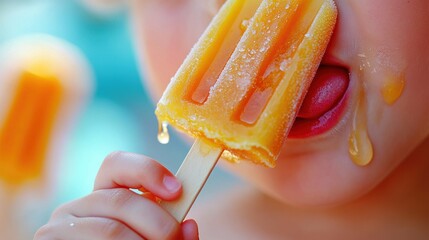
[[318, 179]]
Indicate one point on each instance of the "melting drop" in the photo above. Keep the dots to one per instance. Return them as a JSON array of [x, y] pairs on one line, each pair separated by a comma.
[[163, 136], [392, 88], [360, 145]]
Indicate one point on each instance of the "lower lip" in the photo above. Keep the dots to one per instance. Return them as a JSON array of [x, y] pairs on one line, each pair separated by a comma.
[[305, 128]]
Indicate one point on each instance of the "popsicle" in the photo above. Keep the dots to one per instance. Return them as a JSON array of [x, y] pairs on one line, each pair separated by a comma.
[[44, 82], [241, 86]]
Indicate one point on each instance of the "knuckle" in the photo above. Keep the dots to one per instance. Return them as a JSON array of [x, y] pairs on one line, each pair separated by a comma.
[[43, 233], [148, 167], [147, 163], [147, 170], [170, 231], [112, 229], [118, 198], [111, 157], [61, 211], [57, 213]]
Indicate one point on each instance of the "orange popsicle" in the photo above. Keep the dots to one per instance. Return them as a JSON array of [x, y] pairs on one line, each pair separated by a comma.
[[241, 90], [28, 124], [37, 86], [241, 86]]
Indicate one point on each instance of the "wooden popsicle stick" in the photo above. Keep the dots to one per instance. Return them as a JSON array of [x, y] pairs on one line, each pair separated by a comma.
[[193, 173]]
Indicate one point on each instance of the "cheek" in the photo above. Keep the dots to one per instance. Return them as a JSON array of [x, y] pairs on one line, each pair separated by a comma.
[[393, 64], [394, 33], [382, 41], [164, 33]]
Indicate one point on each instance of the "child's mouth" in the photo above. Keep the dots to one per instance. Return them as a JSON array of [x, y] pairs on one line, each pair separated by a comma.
[[324, 103]]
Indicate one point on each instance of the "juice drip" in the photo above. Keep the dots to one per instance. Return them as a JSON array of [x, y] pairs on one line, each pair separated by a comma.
[[360, 145], [163, 136], [392, 88]]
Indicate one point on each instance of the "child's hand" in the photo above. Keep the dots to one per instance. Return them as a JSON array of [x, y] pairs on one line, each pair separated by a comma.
[[112, 211]]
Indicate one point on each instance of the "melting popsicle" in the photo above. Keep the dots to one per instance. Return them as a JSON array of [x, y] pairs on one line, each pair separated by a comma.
[[240, 88]]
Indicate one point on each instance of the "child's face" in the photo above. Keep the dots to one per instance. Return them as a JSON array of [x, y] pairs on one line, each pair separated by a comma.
[[383, 44]]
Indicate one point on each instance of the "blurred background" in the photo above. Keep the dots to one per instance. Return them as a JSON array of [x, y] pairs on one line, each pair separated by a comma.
[[116, 113]]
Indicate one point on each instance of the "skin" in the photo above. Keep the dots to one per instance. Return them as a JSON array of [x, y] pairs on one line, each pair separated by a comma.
[[315, 189]]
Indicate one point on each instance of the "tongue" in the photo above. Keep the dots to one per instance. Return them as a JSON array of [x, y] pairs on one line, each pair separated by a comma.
[[327, 88]]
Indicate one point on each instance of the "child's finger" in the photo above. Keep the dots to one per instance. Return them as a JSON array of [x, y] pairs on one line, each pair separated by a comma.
[[142, 215], [121, 169], [88, 228], [190, 230]]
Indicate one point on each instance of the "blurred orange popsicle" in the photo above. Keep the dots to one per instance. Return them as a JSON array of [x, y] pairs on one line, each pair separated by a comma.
[[242, 84], [25, 132], [37, 84]]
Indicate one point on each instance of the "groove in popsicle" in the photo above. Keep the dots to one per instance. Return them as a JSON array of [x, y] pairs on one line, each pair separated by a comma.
[[25, 133], [276, 63], [221, 49]]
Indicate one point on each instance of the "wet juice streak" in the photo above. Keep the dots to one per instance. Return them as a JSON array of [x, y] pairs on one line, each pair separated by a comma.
[[360, 145], [392, 88]]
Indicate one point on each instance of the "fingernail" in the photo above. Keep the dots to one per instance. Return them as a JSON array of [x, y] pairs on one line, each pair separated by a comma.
[[171, 183]]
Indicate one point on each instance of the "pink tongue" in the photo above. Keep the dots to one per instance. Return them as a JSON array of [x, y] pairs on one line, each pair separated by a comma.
[[327, 88]]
